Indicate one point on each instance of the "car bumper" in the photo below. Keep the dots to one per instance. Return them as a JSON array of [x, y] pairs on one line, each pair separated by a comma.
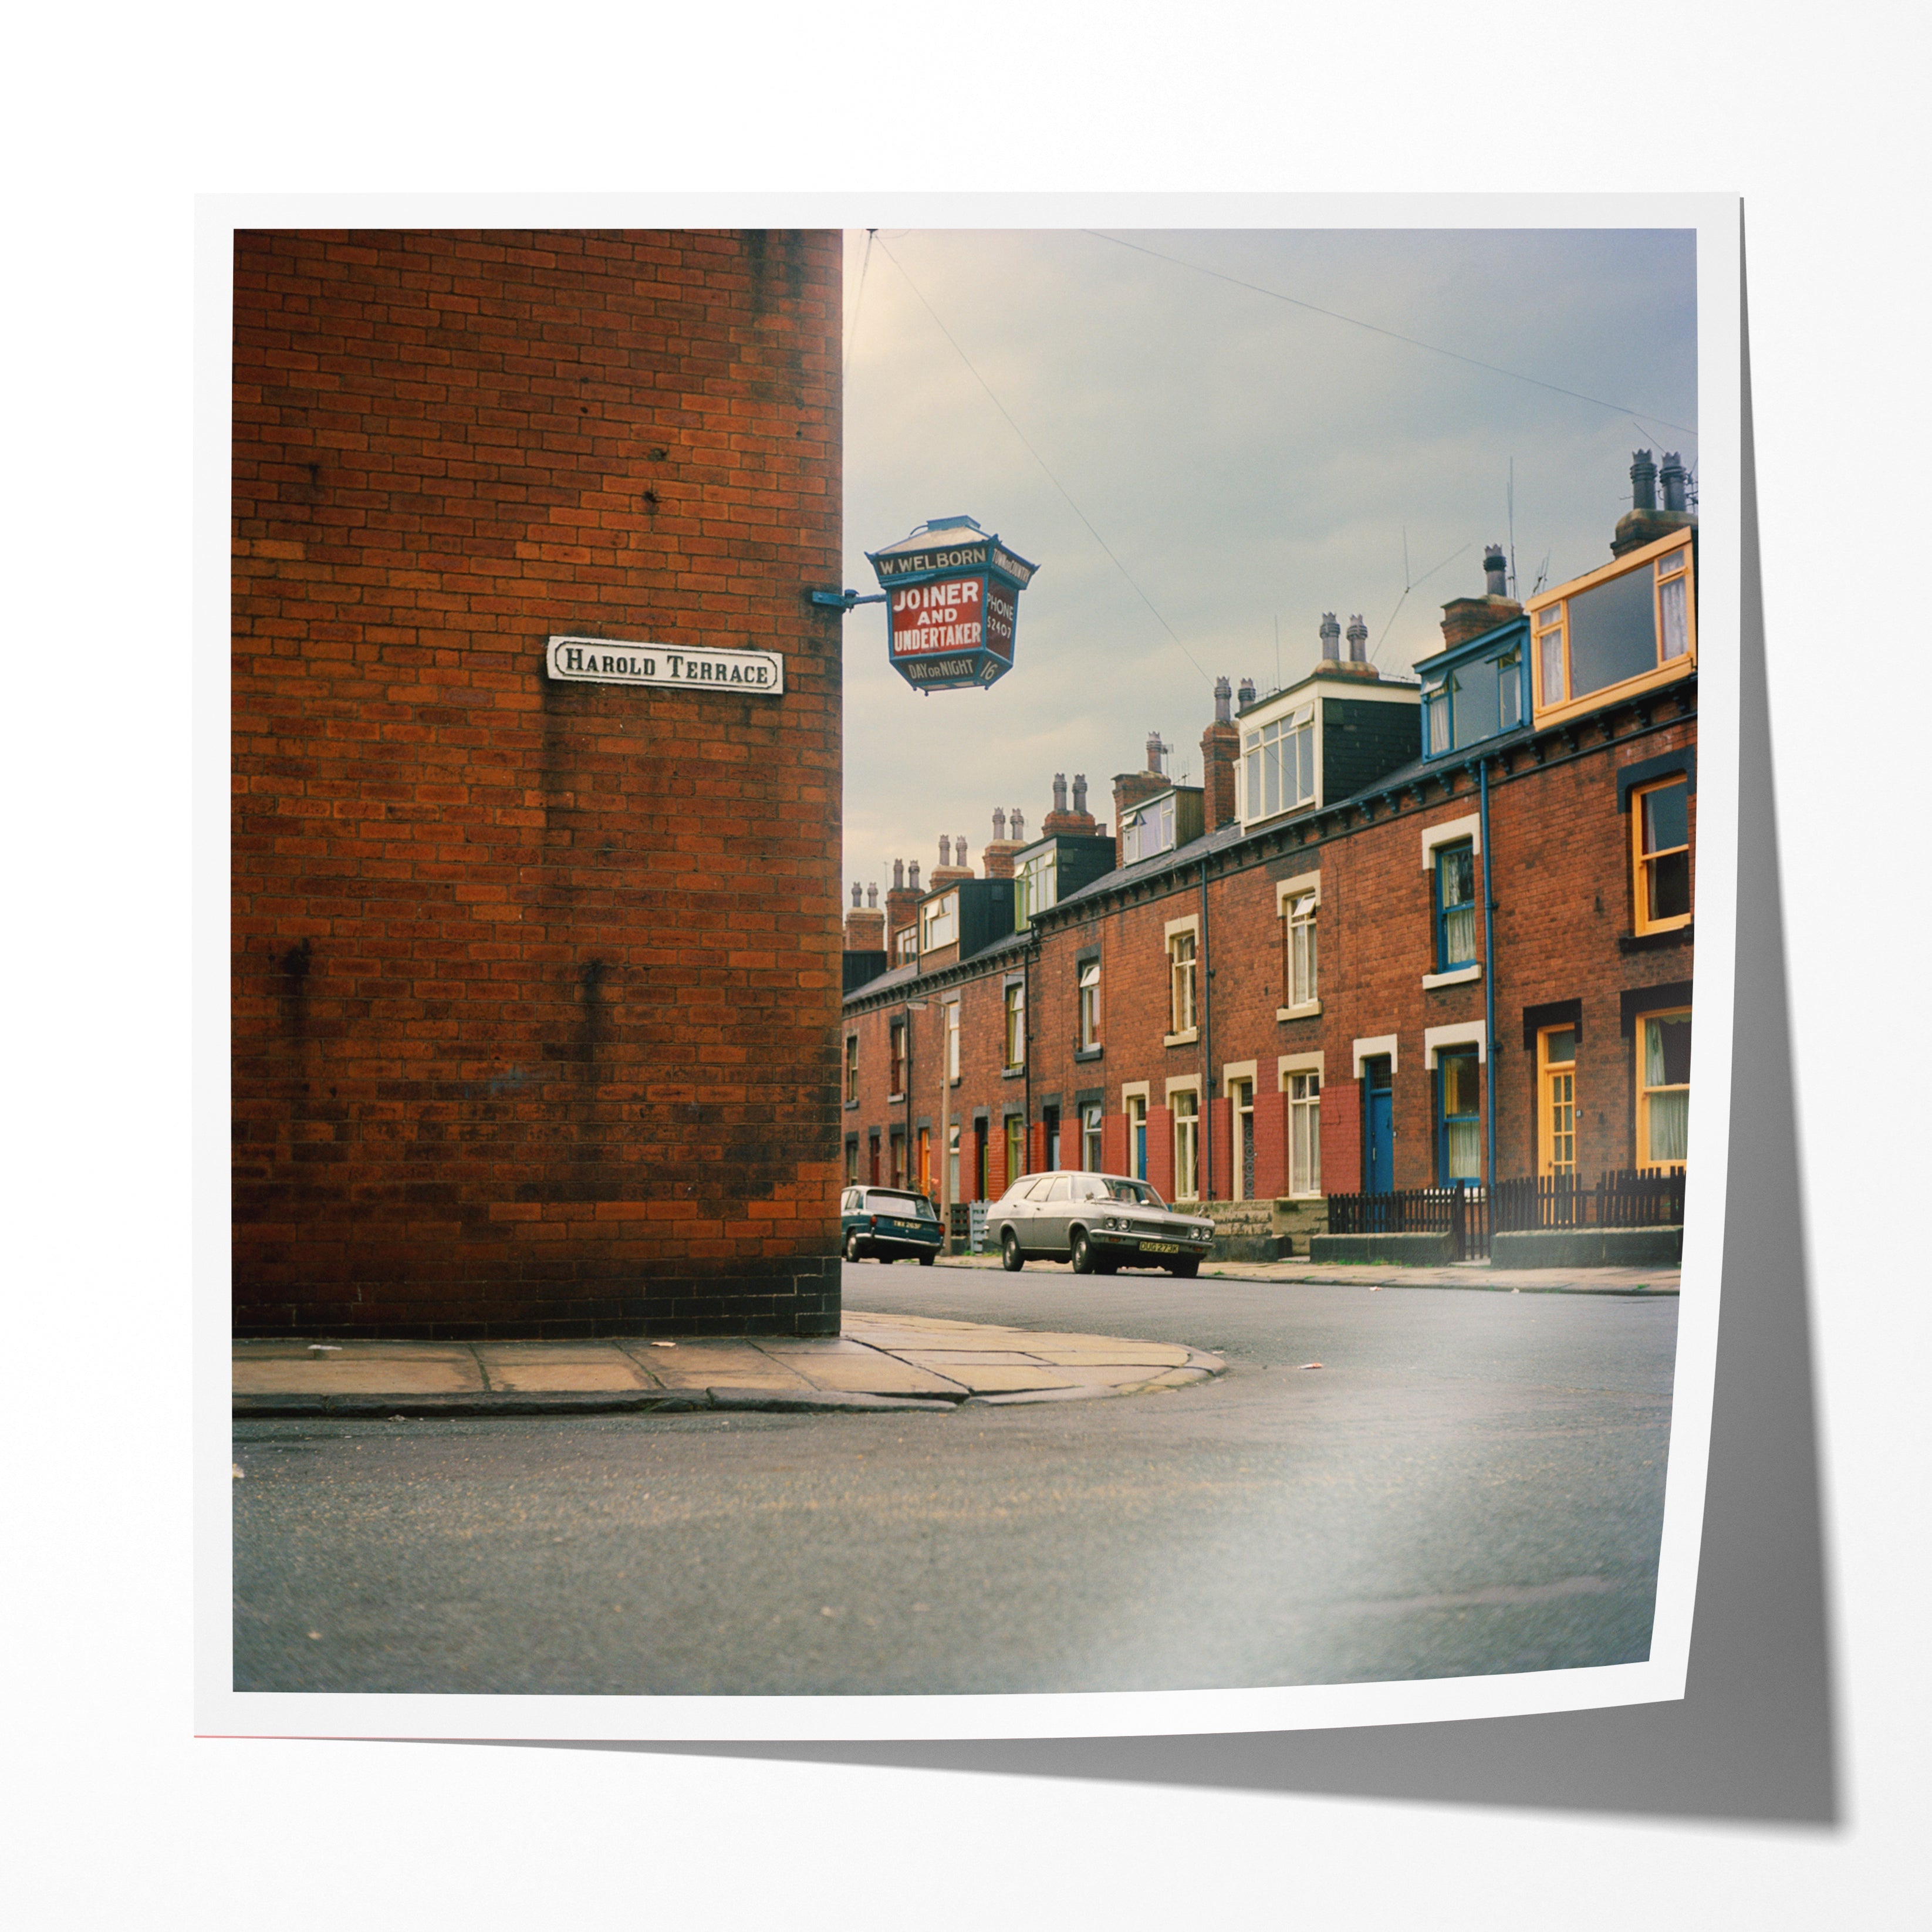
[[1158, 1247]]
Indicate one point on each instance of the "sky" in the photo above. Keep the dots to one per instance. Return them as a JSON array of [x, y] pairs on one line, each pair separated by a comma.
[[1197, 465]]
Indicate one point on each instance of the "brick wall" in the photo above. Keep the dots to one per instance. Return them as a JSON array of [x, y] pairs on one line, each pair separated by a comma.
[[535, 984]]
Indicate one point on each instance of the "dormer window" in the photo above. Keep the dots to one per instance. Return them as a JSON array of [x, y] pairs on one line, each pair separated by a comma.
[[1633, 623], [1035, 884], [939, 922], [1280, 763], [1477, 698], [1148, 831]]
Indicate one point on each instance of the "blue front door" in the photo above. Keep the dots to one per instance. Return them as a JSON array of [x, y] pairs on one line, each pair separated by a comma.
[[1378, 1175]]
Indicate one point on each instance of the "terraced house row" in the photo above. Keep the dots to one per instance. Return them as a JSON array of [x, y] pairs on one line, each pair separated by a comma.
[[1402, 935]]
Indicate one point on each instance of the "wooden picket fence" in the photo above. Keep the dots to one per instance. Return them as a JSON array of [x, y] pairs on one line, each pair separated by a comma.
[[1463, 1214], [1622, 1198]]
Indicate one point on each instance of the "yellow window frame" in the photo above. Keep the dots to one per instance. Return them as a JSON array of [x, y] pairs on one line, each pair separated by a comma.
[[1666, 670], [1641, 921], [1643, 1093]]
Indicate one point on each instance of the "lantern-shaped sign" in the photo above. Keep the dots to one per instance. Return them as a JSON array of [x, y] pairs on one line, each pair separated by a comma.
[[952, 596]]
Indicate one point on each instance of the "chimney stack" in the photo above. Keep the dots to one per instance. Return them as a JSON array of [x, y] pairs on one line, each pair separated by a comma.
[[864, 931], [1220, 750], [1466, 617], [901, 907], [1331, 638], [951, 866], [997, 856], [1643, 523]]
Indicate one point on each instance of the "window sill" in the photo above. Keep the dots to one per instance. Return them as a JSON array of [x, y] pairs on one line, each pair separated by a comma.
[[895, 1100], [1651, 942], [1186, 1037], [1013, 1072], [1308, 1010], [851, 1106], [1088, 1052], [1459, 975]]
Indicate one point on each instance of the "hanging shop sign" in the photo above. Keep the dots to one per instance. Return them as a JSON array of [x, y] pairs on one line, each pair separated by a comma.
[[952, 596], [611, 660]]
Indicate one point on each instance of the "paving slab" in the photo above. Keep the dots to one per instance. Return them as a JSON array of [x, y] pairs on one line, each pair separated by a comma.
[[355, 1368], [537, 1366], [703, 1365]]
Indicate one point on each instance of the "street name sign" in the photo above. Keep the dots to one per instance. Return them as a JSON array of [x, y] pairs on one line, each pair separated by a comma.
[[611, 661]]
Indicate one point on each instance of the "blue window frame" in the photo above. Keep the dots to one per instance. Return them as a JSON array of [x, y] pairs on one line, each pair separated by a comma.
[[1458, 1115], [1455, 906], [1471, 700]]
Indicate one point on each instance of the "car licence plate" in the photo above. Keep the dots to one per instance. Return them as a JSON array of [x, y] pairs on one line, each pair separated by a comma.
[[1160, 1247]]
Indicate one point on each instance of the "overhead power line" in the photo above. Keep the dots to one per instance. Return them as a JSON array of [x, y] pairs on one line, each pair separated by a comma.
[[1044, 467], [1375, 328]]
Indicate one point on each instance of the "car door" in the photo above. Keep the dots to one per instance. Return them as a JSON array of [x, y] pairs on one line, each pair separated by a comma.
[[1049, 1228]]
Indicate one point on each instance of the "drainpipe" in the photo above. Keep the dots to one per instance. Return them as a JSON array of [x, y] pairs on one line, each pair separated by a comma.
[[1489, 980], [1207, 1178]]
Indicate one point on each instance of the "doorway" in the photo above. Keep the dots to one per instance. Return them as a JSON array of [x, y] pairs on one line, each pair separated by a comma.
[[1378, 1125]]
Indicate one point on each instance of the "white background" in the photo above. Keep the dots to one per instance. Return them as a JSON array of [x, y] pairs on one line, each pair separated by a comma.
[[123, 1817]]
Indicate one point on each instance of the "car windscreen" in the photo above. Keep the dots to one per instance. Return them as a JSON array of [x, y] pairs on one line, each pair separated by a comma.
[[1135, 1190]]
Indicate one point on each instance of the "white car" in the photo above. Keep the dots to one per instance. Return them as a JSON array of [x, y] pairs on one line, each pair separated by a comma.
[[1099, 1221]]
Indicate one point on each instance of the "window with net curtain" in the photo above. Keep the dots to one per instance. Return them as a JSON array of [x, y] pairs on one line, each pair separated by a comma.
[[1455, 907], [1461, 1086], [1302, 959], [1664, 1070]]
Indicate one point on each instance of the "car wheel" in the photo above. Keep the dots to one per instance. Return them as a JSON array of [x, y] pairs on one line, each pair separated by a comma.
[[1011, 1259], [927, 1259], [1187, 1269], [852, 1246], [1083, 1253]]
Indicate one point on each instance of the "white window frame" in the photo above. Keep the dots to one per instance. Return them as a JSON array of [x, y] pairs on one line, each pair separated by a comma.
[[934, 914], [1176, 928], [1270, 735], [1288, 1068], [1287, 893], [1190, 1085], [950, 1008], [1013, 1005], [1088, 1031]]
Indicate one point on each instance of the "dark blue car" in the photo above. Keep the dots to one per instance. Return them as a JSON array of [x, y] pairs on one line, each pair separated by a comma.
[[888, 1224]]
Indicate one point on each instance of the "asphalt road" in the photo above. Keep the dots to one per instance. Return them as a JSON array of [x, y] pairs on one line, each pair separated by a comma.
[[1470, 1483]]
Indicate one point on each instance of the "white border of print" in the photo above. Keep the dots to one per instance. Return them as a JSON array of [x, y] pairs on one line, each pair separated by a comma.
[[221, 1710]]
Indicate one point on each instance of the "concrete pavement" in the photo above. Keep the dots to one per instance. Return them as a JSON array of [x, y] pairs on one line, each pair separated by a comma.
[[1383, 1274], [879, 1362]]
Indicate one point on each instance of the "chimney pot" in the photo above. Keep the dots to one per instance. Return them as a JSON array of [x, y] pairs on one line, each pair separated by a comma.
[[1247, 692], [1358, 639], [912, 875], [1672, 478], [999, 824], [959, 849], [1079, 791], [1018, 822], [1223, 700], [872, 896], [1496, 571], [855, 895], [1060, 791], [898, 874], [1643, 481], [1331, 638], [945, 850]]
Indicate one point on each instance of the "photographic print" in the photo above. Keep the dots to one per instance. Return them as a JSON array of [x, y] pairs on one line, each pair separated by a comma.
[[963, 956]]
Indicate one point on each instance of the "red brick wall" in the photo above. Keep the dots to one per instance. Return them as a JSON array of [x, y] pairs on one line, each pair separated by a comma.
[[1160, 1151], [1115, 1150], [1221, 1117], [535, 984], [1341, 1136], [1271, 1142]]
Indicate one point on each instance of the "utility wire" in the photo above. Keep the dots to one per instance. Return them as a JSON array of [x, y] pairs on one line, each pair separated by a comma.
[[1408, 587], [859, 302], [1042, 461], [1375, 328]]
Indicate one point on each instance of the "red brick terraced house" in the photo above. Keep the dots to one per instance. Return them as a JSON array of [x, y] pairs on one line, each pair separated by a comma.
[[1403, 935]]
